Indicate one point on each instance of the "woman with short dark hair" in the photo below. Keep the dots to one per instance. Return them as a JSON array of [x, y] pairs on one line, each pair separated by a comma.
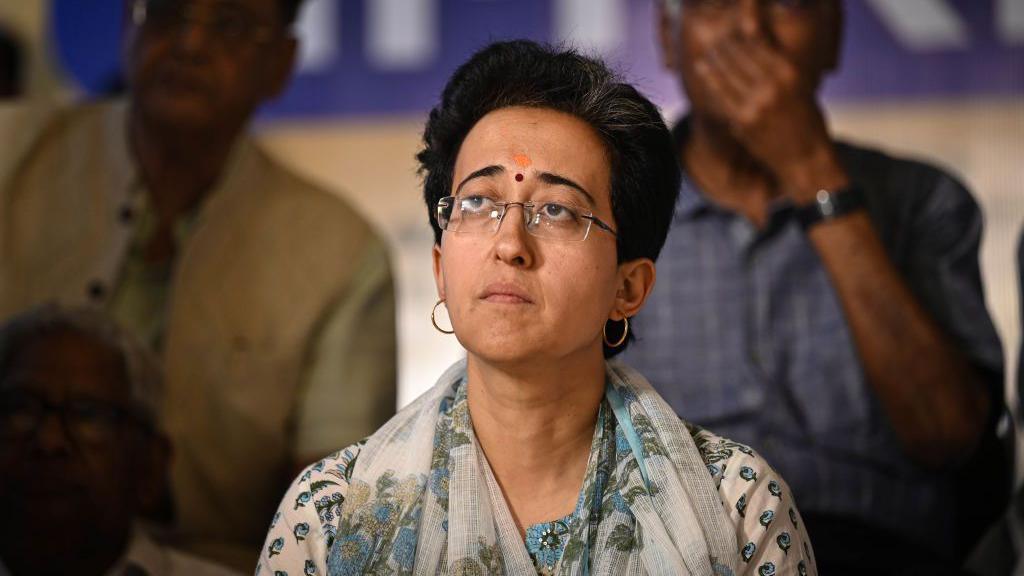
[[550, 186]]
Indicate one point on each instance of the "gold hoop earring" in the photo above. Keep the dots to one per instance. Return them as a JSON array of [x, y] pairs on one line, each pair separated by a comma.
[[625, 332], [433, 319]]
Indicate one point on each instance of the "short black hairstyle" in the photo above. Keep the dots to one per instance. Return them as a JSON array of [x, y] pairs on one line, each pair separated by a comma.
[[289, 10], [645, 173]]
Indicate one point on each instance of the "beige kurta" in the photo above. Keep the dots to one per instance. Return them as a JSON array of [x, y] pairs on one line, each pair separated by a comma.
[[279, 335]]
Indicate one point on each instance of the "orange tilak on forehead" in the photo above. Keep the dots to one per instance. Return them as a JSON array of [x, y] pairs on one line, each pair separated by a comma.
[[522, 161]]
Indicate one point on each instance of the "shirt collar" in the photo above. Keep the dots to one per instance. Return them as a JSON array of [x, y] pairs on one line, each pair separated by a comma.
[[691, 201]]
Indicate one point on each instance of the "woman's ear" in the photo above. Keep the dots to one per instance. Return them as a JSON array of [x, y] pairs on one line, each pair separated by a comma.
[[636, 280], [438, 272]]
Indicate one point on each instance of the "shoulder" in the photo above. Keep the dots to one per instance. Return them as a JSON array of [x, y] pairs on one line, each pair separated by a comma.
[[303, 528], [890, 180], [734, 467], [51, 135], [305, 220], [768, 525], [872, 163], [286, 189], [323, 485], [21, 124], [920, 210], [293, 225], [718, 452], [89, 129]]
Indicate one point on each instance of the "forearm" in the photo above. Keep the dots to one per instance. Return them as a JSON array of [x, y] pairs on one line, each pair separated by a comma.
[[934, 400]]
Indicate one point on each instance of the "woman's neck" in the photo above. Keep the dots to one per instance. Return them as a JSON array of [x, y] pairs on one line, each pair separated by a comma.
[[535, 425]]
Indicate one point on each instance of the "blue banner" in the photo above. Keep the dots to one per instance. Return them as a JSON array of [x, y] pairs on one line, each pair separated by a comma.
[[377, 57]]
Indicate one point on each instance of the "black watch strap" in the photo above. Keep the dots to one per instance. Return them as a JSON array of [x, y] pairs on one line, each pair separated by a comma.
[[829, 205]]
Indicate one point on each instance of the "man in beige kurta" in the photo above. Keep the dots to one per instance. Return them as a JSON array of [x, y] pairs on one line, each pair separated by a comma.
[[270, 298]]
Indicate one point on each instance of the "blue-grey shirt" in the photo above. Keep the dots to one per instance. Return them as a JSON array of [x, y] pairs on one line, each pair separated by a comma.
[[745, 334]]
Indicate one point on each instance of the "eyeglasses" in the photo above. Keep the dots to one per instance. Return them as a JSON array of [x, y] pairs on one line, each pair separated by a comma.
[[228, 23], [87, 422], [550, 220]]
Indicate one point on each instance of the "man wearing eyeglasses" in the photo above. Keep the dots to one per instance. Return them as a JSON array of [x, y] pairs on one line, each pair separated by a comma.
[[271, 299], [81, 449], [822, 302]]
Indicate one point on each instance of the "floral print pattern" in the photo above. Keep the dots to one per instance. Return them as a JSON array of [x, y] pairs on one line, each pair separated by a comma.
[[331, 522]]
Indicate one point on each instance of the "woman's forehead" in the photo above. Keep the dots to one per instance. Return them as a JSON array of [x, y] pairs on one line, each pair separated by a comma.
[[538, 128], [535, 139]]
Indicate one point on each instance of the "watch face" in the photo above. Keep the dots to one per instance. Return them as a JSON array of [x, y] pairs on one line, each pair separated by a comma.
[[826, 207], [830, 205]]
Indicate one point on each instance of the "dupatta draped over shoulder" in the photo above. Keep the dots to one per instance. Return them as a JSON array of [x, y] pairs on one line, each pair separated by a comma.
[[421, 499]]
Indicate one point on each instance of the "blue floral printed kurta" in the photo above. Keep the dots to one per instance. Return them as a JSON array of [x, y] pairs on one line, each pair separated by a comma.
[[770, 536]]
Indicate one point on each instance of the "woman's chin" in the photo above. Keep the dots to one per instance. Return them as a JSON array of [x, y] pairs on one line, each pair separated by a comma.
[[523, 351], [503, 355], [507, 348]]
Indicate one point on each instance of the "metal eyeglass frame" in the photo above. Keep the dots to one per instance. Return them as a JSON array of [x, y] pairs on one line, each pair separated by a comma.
[[528, 215]]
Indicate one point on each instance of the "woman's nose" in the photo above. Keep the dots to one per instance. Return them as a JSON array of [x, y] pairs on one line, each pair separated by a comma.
[[512, 243]]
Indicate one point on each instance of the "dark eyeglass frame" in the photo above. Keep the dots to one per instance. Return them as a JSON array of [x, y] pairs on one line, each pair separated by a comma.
[[177, 14], [73, 415], [792, 5]]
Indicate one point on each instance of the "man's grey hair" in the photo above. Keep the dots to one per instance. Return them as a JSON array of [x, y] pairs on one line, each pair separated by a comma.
[[141, 368]]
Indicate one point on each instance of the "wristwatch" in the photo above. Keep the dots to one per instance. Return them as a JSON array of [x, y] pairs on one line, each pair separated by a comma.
[[829, 205]]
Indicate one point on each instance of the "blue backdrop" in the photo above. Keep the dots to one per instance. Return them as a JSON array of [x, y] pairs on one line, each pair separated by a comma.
[[945, 48]]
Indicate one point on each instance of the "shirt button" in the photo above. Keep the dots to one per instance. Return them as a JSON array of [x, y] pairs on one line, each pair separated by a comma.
[[96, 290], [126, 214]]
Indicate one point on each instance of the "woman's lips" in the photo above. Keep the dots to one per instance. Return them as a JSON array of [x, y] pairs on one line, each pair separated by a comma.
[[506, 294], [506, 299]]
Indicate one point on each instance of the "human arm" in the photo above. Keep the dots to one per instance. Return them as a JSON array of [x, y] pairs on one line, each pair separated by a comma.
[[349, 386], [937, 401]]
